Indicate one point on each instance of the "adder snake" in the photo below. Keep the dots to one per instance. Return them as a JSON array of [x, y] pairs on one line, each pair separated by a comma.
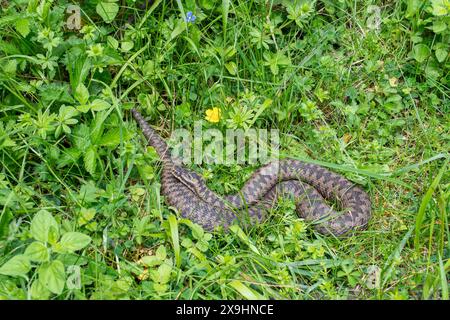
[[309, 184]]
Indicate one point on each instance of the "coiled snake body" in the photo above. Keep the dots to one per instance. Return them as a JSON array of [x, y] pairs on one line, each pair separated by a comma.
[[308, 184]]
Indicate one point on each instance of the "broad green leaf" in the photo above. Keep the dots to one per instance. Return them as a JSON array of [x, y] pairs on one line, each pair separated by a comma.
[[44, 225], [151, 261], [413, 7], [421, 52], [126, 46], [82, 95], [107, 10], [112, 42], [187, 243], [39, 291], [67, 113], [439, 26], [161, 253], [10, 67], [84, 108], [231, 67], [441, 54], [162, 274], [440, 7], [53, 235], [53, 276], [37, 251], [18, 265], [73, 241], [86, 215], [22, 26], [207, 4]]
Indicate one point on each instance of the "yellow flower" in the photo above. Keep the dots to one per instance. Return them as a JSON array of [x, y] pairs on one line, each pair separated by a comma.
[[213, 115]]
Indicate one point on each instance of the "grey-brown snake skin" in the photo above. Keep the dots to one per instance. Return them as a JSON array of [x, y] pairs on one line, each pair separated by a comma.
[[309, 184]]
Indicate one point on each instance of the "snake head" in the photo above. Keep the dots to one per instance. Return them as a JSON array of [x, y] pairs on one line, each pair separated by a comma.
[[189, 178]]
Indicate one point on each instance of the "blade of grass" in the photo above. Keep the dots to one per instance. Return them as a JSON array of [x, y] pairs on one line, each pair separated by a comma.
[[417, 165], [241, 235], [183, 14], [423, 205], [225, 10], [173, 224], [148, 13], [245, 291], [389, 265], [444, 283], [127, 63]]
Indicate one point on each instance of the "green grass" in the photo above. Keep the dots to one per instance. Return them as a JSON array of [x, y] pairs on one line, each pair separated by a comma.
[[79, 192]]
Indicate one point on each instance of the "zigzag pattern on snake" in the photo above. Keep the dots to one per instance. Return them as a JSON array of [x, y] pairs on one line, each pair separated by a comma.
[[309, 184]]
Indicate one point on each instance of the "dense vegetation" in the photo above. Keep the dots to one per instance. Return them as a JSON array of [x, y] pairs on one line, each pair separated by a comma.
[[362, 87]]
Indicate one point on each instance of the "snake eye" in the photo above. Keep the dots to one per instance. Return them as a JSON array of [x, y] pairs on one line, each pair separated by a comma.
[[184, 176], [177, 171], [189, 178]]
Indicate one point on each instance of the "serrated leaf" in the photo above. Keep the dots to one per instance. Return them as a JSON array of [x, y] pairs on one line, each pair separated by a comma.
[[81, 138], [22, 26], [86, 215], [107, 10], [37, 251], [41, 225], [88, 192], [10, 67], [97, 125], [73, 241], [90, 160], [110, 138], [52, 276], [99, 105], [18, 265]]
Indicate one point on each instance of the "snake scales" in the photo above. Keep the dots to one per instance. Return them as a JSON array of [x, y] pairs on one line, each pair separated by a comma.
[[309, 184]]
